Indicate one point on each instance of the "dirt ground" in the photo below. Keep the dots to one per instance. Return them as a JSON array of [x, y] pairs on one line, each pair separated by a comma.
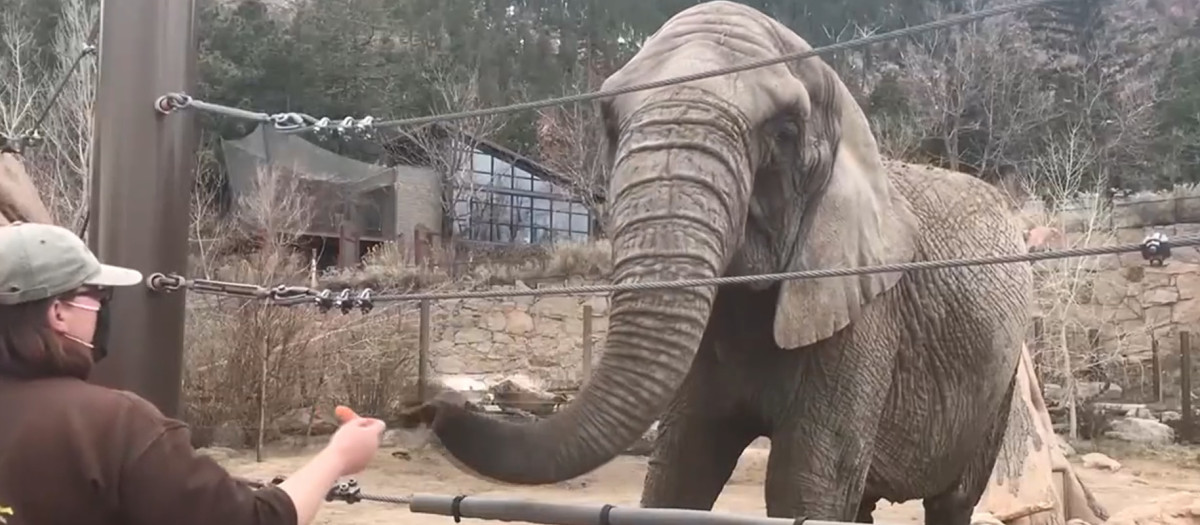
[[619, 483]]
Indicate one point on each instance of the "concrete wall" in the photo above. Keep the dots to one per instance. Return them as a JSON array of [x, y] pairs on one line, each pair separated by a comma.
[[418, 201]]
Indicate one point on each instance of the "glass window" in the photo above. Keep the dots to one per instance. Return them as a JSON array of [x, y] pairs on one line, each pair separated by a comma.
[[480, 232], [501, 233], [482, 178], [482, 162], [523, 234], [579, 237], [501, 167], [503, 181], [542, 186], [541, 204], [562, 221], [522, 202], [578, 208], [579, 223], [479, 211], [522, 216], [522, 180], [541, 218]]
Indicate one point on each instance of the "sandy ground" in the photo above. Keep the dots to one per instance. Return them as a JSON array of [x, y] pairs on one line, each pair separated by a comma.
[[619, 483]]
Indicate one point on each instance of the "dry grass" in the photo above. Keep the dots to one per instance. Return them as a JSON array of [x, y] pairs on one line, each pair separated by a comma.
[[384, 268], [249, 364], [252, 370]]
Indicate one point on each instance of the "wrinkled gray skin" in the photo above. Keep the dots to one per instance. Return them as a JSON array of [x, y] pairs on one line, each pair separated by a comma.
[[884, 386]]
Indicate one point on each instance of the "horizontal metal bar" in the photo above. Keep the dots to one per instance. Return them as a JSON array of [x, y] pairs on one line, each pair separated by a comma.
[[561, 514]]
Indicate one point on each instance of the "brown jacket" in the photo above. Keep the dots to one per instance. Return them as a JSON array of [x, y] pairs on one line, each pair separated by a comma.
[[72, 453]]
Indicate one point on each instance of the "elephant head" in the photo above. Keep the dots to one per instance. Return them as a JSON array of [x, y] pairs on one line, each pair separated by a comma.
[[773, 169]]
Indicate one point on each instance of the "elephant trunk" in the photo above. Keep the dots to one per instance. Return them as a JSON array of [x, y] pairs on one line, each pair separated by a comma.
[[674, 212]]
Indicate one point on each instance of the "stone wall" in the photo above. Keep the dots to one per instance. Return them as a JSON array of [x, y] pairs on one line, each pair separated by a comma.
[[1127, 305], [539, 337]]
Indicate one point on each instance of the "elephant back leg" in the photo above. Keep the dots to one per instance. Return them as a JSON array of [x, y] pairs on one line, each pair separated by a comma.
[[955, 506], [701, 437]]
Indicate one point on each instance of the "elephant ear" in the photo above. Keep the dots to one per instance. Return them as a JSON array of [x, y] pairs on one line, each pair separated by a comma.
[[857, 219]]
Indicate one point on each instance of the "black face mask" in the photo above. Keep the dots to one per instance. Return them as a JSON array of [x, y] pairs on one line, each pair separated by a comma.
[[100, 337]]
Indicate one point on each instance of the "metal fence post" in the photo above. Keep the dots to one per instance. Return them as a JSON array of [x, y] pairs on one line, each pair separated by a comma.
[[145, 170]]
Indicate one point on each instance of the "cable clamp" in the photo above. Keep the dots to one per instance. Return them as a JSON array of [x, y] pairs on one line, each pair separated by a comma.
[[1156, 248]]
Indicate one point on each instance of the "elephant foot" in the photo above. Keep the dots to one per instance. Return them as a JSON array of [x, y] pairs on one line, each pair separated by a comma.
[[953, 508], [866, 510]]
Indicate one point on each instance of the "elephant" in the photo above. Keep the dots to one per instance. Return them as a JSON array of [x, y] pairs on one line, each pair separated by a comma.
[[892, 386]]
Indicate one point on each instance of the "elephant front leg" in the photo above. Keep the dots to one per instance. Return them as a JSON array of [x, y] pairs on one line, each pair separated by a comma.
[[694, 456], [822, 444], [701, 437]]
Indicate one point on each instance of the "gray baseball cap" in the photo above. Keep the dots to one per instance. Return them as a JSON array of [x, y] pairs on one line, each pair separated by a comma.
[[39, 261]]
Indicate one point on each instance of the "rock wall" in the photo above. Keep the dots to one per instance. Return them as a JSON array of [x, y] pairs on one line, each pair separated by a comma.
[[1116, 308], [539, 337]]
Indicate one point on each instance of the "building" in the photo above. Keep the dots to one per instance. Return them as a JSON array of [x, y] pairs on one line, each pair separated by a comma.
[[496, 198]]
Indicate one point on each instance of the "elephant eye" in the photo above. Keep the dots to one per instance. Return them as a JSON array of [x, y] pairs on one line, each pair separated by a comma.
[[790, 129]]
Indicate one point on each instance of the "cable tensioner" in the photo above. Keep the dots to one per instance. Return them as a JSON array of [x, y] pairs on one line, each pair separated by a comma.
[[344, 302]]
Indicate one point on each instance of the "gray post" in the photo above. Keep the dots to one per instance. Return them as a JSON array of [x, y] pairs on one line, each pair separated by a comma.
[[144, 168]]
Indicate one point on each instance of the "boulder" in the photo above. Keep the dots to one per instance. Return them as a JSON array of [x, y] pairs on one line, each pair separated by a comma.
[[1182, 508], [519, 394], [1099, 461], [1140, 430]]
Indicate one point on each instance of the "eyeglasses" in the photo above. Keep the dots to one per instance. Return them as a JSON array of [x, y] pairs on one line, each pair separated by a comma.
[[82, 306], [99, 293]]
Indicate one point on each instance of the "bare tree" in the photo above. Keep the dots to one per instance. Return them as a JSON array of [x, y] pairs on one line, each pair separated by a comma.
[[254, 368], [1075, 204], [59, 166], [210, 231], [572, 143], [69, 126], [974, 93], [278, 209], [450, 149], [22, 82]]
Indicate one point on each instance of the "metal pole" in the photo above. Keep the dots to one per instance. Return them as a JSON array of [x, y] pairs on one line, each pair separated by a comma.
[[587, 344], [1156, 369], [1185, 386], [145, 164], [564, 514], [423, 350]]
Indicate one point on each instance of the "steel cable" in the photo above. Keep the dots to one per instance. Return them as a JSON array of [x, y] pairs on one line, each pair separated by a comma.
[[1154, 248], [297, 122]]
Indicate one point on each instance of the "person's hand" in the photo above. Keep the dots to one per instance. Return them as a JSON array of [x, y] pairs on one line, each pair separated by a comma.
[[356, 441]]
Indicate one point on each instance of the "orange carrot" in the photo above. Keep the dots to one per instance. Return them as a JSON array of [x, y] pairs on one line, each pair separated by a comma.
[[344, 413]]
